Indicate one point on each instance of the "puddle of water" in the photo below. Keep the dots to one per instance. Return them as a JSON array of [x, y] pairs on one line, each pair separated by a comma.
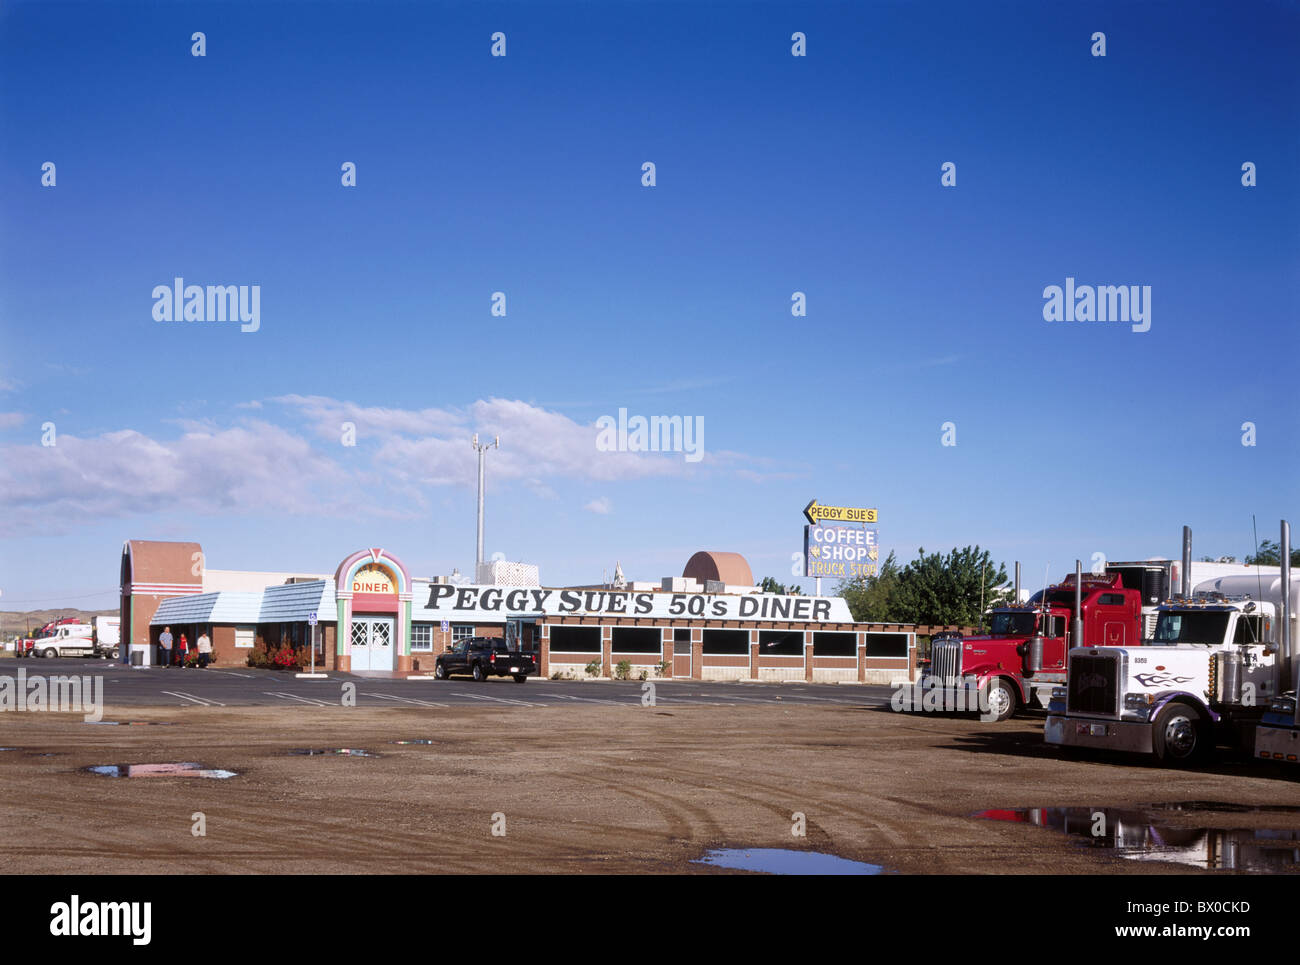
[[133, 723], [43, 754], [786, 861], [340, 751], [418, 740], [1136, 835], [181, 769]]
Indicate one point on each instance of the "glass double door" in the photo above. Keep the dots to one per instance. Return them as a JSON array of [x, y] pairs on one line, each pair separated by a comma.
[[372, 643]]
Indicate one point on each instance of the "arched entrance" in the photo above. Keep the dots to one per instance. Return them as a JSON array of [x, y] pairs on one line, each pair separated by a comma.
[[373, 590]]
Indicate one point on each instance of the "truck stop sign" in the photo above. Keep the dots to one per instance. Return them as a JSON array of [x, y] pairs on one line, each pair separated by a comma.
[[843, 552]]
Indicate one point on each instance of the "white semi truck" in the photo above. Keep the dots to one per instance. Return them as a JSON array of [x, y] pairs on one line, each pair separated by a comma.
[[1277, 738], [98, 639], [1219, 660]]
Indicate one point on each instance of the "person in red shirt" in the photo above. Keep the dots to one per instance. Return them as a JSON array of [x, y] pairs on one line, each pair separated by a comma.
[[182, 649]]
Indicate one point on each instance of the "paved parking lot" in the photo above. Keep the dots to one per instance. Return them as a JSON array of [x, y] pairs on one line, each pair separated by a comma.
[[246, 687]]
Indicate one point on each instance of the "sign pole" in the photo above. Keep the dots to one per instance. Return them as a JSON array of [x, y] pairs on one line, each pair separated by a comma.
[[311, 642]]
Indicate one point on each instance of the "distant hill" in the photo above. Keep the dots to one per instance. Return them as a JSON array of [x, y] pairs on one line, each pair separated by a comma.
[[16, 622]]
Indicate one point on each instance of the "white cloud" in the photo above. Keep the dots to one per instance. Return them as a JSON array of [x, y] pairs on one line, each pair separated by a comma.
[[257, 467], [247, 469], [431, 446]]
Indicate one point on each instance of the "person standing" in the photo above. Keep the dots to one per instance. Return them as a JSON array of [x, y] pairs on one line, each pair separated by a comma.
[[205, 649], [182, 650], [165, 647]]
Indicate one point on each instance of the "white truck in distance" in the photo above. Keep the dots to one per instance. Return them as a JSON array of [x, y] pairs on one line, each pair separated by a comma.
[[68, 640], [108, 636], [1210, 672], [100, 639]]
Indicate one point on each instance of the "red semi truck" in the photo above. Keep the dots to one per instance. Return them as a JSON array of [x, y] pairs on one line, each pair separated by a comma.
[[1022, 657]]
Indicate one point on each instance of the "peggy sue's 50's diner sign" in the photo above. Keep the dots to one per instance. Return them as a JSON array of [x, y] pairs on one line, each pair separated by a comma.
[[447, 601]]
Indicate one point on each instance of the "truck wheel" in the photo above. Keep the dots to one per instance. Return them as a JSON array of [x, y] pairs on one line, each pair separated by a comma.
[[439, 671], [479, 675], [1002, 700], [49, 652], [520, 677], [1179, 736]]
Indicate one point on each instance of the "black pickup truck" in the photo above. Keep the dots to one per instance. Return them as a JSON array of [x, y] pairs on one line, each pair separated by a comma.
[[484, 657]]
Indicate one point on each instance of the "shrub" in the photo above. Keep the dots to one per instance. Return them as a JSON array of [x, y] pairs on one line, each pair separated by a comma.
[[593, 668], [623, 670]]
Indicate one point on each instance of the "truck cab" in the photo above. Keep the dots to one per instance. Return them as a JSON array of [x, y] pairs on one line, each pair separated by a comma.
[[1209, 672], [1023, 656], [68, 640]]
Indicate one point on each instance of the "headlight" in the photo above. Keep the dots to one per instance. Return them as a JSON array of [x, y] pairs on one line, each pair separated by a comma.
[[1058, 693], [1283, 705], [1139, 704]]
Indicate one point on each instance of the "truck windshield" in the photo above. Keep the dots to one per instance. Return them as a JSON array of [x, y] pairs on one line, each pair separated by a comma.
[[1012, 624], [1198, 626]]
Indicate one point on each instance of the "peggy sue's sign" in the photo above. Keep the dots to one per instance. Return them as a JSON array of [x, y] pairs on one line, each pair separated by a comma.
[[449, 601]]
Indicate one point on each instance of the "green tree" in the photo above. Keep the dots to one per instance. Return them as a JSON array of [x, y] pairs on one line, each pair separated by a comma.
[[769, 585], [870, 598], [1270, 554], [946, 588]]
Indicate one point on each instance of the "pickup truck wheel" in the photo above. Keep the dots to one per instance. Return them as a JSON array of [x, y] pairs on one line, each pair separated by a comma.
[[1179, 736], [49, 652], [439, 671], [479, 675], [520, 677], [1002, 700]]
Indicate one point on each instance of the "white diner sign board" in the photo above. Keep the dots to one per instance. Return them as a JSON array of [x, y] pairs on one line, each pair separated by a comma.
[[442, 601]]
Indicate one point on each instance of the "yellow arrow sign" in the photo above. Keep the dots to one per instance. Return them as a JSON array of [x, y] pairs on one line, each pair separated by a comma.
[[838, 514]]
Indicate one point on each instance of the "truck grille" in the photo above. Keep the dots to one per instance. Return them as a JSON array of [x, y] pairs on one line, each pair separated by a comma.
[[1094, 684], [945, 659]]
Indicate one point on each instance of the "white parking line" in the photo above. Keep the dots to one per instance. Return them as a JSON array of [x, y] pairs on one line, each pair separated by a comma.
[[405, 700], [305, 700], [829, 700], [502, 700], [230, 673], [201, 701]]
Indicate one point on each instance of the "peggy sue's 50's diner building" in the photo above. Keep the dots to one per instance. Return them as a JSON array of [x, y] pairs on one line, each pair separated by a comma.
[[711, 623]]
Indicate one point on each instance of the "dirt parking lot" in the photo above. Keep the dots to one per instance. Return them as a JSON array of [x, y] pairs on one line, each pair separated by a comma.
[[599, 788]]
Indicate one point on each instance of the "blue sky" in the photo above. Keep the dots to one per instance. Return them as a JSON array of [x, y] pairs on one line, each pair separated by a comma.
[[522, 174]]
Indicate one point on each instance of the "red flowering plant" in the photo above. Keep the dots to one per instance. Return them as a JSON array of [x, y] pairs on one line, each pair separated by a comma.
[[276, 657]]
